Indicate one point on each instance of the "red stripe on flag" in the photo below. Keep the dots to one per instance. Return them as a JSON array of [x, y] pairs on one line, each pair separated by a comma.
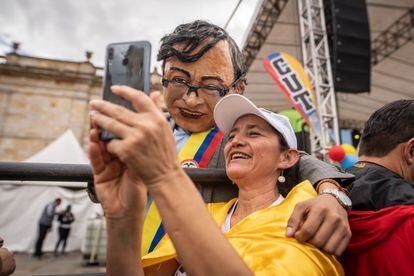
[[211, 149]]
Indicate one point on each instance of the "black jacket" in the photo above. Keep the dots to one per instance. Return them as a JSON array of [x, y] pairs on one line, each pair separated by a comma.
[[376, 187]]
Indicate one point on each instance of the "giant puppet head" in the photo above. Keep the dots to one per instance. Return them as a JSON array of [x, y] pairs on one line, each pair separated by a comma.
[[201, 64]]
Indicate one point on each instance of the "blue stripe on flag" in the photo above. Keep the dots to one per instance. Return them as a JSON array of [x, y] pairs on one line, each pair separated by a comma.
[[158, 236], [200, 152]]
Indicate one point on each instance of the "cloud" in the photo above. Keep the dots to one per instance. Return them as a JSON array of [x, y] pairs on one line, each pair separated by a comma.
[[65, 29]]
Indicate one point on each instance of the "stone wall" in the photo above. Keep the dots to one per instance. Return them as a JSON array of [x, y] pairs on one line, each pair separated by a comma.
[[40, 99]]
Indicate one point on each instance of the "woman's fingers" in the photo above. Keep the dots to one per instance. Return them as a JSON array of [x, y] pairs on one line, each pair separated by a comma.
[[139, 99], [142, 134], [112, 125], [115, 111], [94, 137], [95, 154], [156, 99]]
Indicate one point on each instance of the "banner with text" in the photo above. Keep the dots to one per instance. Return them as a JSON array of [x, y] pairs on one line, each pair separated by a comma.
[[291, 78]]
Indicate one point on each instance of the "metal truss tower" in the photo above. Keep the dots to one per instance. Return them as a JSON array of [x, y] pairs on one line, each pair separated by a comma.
[[267, 16], [317, 64], [393, 38]]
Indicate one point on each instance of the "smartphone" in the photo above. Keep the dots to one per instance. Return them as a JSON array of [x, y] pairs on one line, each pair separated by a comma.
[[126, 63]]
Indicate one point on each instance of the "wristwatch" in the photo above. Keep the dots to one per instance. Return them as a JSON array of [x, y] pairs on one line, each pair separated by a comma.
[[342, 198]]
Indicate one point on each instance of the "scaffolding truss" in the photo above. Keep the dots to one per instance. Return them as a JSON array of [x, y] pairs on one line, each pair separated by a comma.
[[316, 62], [393, 38], [266, 19]]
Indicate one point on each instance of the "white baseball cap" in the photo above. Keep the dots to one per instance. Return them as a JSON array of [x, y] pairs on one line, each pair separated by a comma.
[[233, 106]]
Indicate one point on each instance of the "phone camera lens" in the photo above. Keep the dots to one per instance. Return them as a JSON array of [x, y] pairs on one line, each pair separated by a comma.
[[125, 61], [111, 53]]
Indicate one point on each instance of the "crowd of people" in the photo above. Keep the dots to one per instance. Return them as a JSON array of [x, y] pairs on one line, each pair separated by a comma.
[[289, 206], [290, 214]]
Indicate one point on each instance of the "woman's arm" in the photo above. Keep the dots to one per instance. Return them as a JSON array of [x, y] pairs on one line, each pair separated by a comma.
[[123, 249], [123, 199]]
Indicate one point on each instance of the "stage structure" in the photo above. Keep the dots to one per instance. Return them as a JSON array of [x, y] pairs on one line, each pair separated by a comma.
[[394, 37], [268, 15], [317, 64]]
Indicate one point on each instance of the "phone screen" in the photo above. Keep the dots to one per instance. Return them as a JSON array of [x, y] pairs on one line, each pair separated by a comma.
[[127, 63]]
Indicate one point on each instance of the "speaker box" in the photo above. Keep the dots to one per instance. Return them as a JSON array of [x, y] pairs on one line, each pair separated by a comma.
[[350, 44]]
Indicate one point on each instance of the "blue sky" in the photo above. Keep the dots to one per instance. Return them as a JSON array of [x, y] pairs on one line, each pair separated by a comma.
[[65, 29]]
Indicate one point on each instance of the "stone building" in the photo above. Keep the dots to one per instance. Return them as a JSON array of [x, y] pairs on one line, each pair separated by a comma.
[[41, 98]]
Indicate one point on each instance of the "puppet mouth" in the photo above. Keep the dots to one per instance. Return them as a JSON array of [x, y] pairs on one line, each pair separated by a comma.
[[190, 114]]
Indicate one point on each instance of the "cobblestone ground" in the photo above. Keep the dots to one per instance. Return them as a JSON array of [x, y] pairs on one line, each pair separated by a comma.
[[69, 264]]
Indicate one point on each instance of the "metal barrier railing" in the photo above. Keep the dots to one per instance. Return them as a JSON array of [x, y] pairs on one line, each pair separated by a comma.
[[27, 171]]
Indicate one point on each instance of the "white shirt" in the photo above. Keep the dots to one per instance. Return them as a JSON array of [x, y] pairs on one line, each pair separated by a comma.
[[181, 136], [226, 224]]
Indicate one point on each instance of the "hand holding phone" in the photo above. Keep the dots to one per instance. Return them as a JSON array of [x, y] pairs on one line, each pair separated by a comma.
[[127, 63]]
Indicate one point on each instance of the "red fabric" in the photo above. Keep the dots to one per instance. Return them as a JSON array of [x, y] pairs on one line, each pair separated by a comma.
[[382, 242]]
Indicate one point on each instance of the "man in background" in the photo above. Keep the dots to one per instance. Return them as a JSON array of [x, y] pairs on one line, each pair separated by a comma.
[[385, 172], [382, 219]]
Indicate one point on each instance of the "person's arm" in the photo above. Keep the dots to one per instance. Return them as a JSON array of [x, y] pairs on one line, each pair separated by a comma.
[[123, 248], [123, 199], [315, 170], [147, 147], [321, 221]]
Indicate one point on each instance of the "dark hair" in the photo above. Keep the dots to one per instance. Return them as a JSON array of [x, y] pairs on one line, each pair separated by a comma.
[[193, 34], [289, 173], [387, 127], [283, 145]]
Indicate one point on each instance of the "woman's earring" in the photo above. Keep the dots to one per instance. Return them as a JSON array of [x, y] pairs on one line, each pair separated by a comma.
[[281, 179]]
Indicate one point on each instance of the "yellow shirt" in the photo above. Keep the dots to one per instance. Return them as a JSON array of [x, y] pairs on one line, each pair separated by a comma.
[[261, 241]]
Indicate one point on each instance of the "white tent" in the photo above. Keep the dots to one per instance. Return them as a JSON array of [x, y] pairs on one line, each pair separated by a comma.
[[21, 204]]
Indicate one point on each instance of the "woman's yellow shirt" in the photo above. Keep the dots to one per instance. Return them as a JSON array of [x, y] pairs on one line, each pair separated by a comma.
[[261, 241]]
